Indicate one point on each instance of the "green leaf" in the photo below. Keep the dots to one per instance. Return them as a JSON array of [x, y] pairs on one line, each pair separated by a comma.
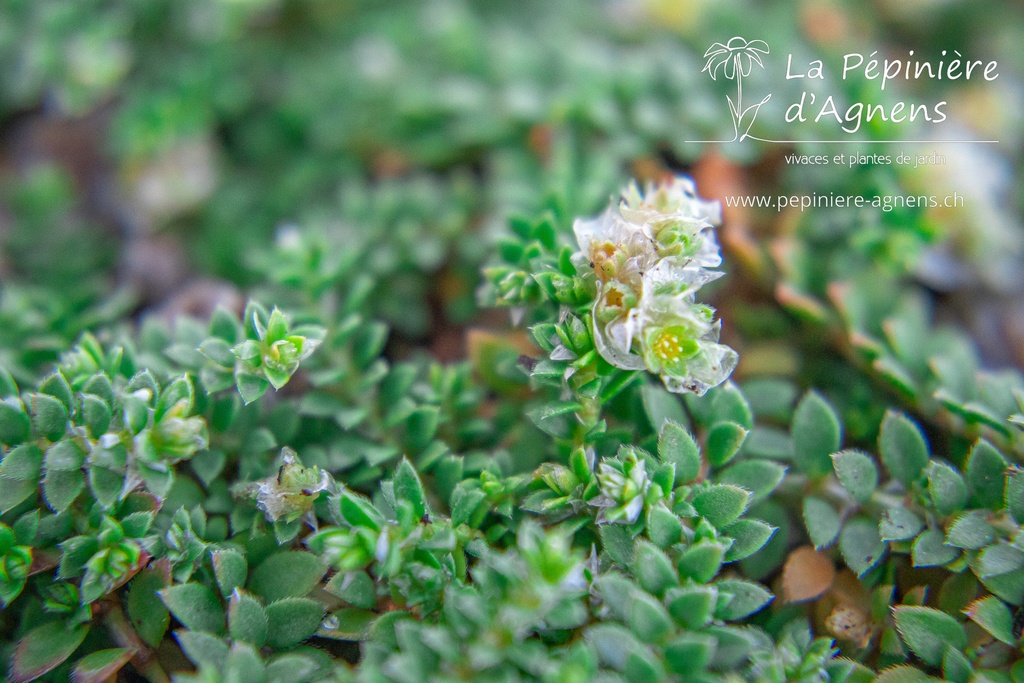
[[842, 670], [409, 488], [208, 465], [857, 473], [99, 385], [230, 569], [44, 648], [735, 644], [195, 606], [101, 665], [1015, 495], [749, 536], [286, 574], [421, 426], [994, 616], [723, 442], [23, 463], [618, 542], [860, 545], [663, 526], [903, 448], [250, 387], [701, 561], [653, 570], [26, 528], [550, 417], [970, 531], [721, 504], [60, 488], [617, 592], [464, 503], [145, 610], [76, 552], [662, 406], [675, 445], [289, 668], [746, 598], [14, 492], [816, 433], [728, 404], [899, 524], [368, 343], [956, 667], [158, 481], [55, 385], [106, 485], [247, 620], [758, 476], [930, 550], [292, 620], [904, 674], [1000, 558], [219, 351], [359, 511], [1007, 587], [136, 414], [986, 475], [15, 425], [648, 619], [822, 522], [692, 606], [928, 631], [137, 524], [349, 623], [49, 416], [613, 643], [8, 387], [355, 587], [690, 653], [96, 414], [202, 648], [64, 455], [178, 391], [946, 488]]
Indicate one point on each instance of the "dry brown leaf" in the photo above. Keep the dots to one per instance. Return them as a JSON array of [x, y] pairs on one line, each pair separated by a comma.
[[807, 574], [850, 623]]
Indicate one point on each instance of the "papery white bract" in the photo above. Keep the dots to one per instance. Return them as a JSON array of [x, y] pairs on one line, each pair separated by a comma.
[[650, 257], [677, 197], [290, 493], [623, 488], [614, 247], [677, 222]]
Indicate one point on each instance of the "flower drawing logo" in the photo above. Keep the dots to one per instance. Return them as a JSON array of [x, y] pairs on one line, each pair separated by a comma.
[[735, 59]]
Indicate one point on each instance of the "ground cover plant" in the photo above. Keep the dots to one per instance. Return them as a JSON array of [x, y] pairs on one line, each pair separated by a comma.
[[406, 342]]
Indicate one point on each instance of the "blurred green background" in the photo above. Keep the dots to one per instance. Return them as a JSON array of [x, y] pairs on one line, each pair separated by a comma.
[[162, 156]]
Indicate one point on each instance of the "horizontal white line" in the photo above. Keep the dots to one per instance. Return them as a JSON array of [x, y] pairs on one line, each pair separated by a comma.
[[860, 142]]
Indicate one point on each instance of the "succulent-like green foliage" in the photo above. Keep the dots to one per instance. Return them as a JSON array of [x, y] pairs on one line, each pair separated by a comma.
[[373, 477]]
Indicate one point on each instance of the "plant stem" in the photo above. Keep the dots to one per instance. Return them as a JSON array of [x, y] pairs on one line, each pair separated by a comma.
[[124, 634]]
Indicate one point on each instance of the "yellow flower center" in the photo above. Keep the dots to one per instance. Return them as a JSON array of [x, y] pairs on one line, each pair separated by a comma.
[[673, 345], [602, 259]]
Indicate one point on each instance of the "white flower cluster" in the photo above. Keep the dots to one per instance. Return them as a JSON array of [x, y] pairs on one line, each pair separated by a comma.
[[650, 255]]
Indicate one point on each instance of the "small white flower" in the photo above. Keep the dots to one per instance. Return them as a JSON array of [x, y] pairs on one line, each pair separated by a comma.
[[291, 491], [650, 257], [675, 198]]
